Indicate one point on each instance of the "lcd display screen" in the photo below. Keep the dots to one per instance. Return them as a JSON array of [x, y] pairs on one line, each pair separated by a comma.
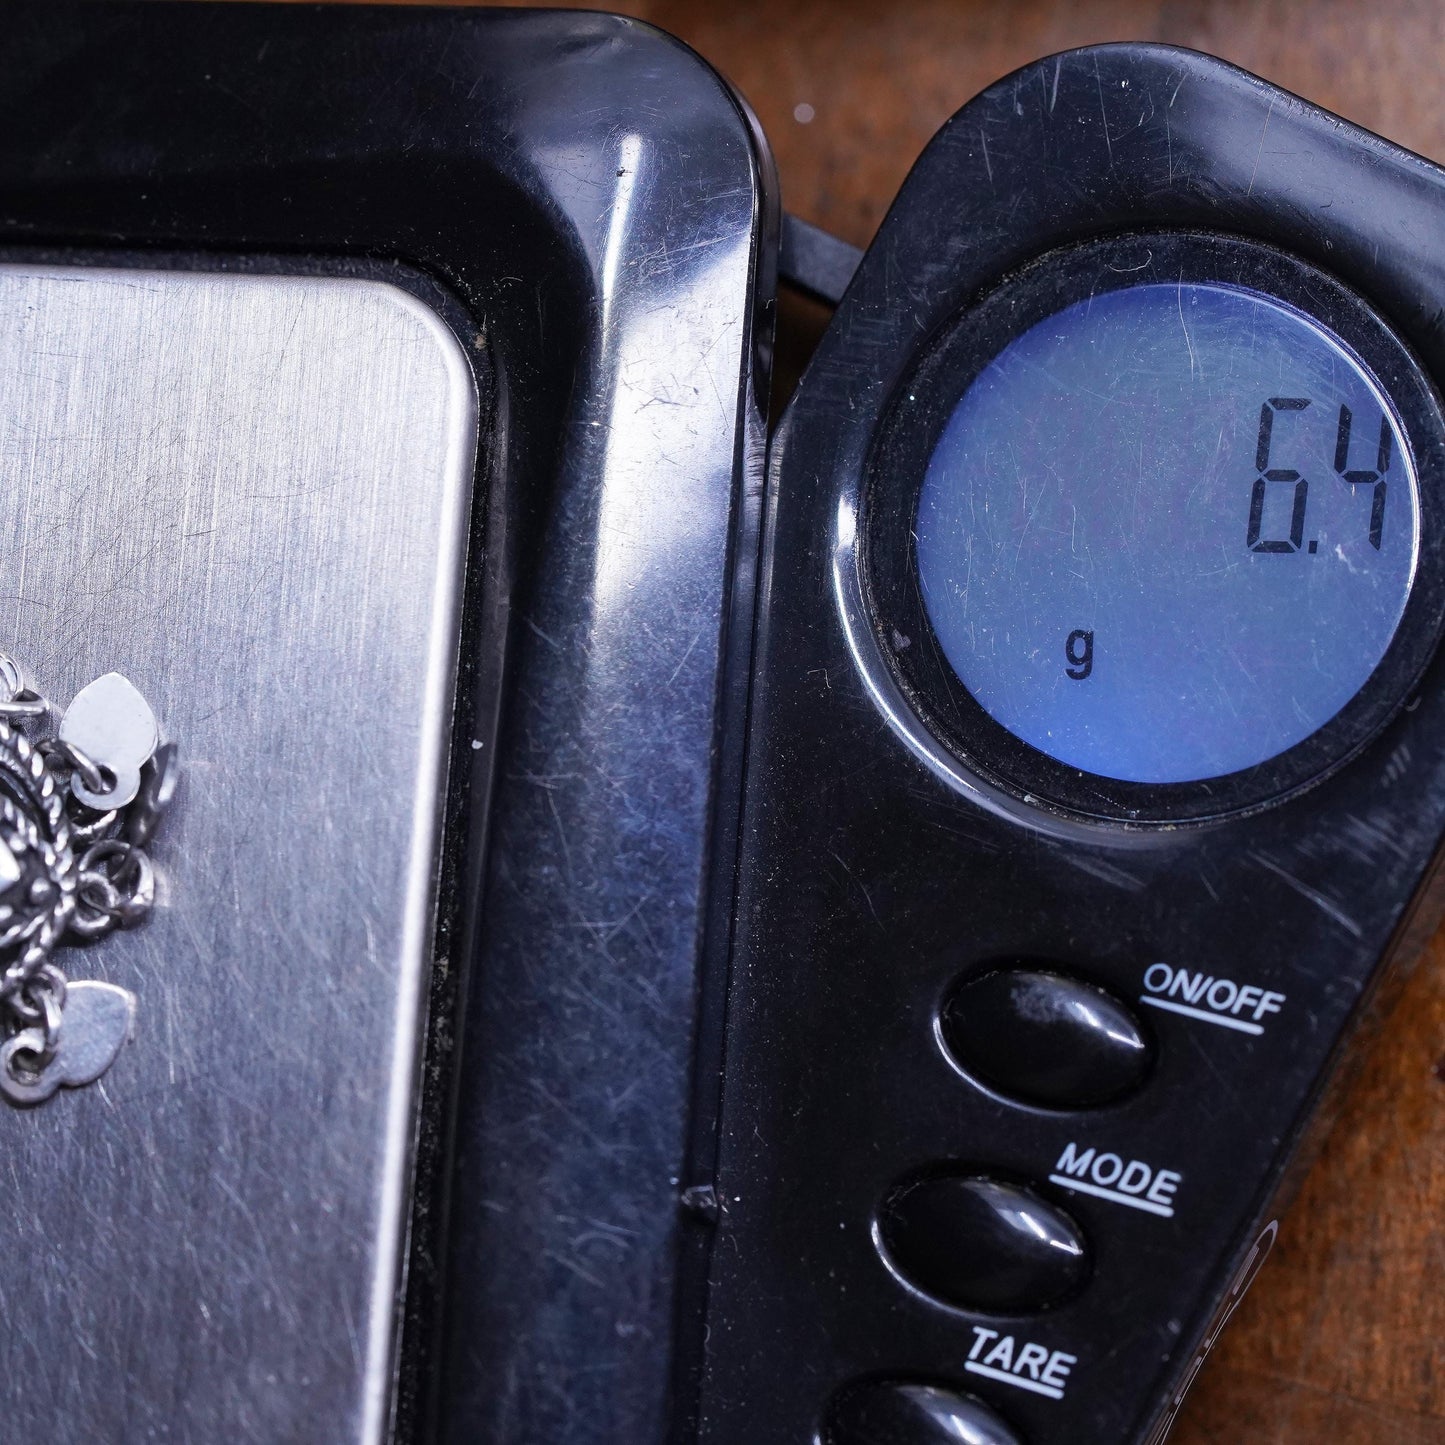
[[1168, 532]]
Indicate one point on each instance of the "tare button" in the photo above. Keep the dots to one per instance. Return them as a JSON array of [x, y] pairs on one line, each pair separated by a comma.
[[1135, 1183], [911, 1412]]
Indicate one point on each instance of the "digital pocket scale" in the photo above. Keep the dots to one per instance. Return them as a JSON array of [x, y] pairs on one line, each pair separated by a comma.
[[616, 980], [1097, 754], [1096, 757]]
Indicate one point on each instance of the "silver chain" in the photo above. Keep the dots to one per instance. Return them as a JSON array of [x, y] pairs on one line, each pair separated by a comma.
[[72, 867]]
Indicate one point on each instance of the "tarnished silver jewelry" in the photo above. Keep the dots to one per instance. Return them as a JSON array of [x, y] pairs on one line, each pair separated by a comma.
[[78, 808]]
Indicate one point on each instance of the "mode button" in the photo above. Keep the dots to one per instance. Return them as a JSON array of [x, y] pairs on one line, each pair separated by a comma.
[[981, 1243]]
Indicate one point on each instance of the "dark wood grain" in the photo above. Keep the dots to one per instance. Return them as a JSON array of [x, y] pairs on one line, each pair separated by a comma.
[[1342, 1340]]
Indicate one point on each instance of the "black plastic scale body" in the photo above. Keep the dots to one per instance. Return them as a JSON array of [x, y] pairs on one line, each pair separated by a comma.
[[867, 1253]]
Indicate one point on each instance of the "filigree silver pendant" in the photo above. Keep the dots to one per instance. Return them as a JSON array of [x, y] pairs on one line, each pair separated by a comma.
[[78, 808]]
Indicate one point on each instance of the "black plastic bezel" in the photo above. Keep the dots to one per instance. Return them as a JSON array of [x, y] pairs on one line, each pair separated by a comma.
[[236, 134], [913, 422]]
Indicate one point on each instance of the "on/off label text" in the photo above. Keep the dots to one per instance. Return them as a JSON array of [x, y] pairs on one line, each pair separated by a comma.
[[1210, 998]]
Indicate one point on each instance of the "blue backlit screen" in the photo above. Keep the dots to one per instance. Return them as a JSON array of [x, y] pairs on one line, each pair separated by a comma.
[[1168, 532]]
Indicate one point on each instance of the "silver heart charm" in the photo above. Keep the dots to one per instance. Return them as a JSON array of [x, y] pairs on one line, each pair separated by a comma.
[[112, 725], [96, 1024]]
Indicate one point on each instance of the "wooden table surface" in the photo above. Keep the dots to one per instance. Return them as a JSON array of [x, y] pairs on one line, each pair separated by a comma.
[[1342, 1339]]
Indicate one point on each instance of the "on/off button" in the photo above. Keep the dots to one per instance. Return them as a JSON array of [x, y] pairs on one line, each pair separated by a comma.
[[1041, 1036]]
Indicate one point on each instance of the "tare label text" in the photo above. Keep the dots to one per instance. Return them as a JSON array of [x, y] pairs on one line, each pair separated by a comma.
[[1018, 1362]]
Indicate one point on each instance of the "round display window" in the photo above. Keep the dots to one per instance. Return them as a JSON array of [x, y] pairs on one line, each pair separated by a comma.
[[1163, 533]]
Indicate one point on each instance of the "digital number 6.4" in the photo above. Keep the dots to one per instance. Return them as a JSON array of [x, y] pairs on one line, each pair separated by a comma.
[[1357, 477]]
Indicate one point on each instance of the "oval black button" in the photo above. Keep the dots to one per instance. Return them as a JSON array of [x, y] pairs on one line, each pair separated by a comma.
[[982, 1244], [1045, 1038], [896, 1412]]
